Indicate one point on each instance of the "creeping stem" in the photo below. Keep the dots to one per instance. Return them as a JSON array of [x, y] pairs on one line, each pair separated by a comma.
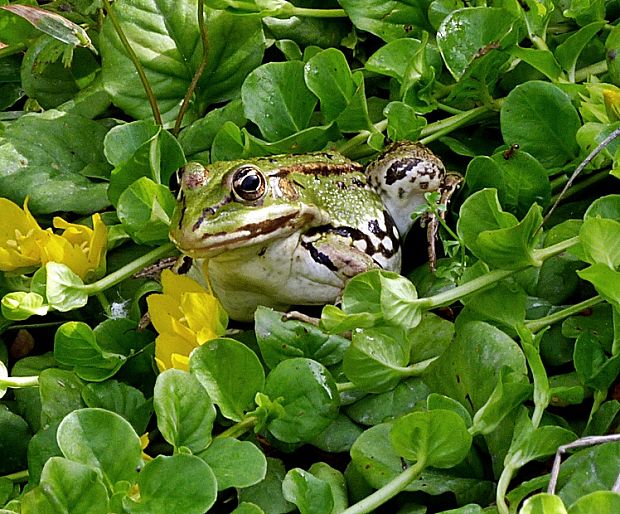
[[199, 71], [136, 62]]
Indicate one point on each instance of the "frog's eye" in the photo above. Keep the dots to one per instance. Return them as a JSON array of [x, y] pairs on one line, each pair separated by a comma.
[[248, 183]]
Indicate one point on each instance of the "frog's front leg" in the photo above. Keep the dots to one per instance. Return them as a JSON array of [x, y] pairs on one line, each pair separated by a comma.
[[348, 252]]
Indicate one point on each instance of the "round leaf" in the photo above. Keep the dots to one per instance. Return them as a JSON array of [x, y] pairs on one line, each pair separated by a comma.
[[185, 413], [541, 119], [311, 494], [276, 98], [231, 373], [103, 440], [309, 397], [235, 463], [179, 483], [439, 438]]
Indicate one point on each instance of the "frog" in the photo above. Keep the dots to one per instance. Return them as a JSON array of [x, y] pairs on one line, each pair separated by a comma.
[[292, 230]]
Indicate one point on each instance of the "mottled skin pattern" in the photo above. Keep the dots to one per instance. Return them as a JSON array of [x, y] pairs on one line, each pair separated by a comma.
[[291, 230]]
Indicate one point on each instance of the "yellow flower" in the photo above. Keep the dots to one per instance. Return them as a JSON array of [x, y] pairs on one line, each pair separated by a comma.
[[79, 247], [18, 248], [186, 316], [24, 244]]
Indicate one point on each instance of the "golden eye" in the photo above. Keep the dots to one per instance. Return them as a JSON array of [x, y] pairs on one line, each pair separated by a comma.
[[248, 183]]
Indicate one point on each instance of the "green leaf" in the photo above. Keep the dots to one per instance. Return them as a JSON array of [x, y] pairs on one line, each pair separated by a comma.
[[510, 391], [103, 440], [377, 359], [520, 180], [607, 206], [531, 443], [391, 19], [68, 486], [75, 345], [601, 502], [64, 290], [605, 280], [569, 51], [276, 98], [124, 400], [232, 388], [588, 470], [74, 145], [594, 368], [236, 47], [235, 463], [600, 240], [469, 33], [328, 76], [20, 305], [185, 413], [145, 209], [61, 394], [311, 494], [176, 483], [437, 438], [539, 59], [543, 503], [309, 397], [150, 152], [336, 482], [267, 494], [542, 120], [495, 236], [14, 441], [279, 340], [394, 58], [403, 122]]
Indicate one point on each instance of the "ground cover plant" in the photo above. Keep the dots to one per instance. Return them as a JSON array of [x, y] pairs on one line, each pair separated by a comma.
[[432, 391]]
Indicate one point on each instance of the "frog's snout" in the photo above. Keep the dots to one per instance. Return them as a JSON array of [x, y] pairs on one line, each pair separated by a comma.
[[192, 176]]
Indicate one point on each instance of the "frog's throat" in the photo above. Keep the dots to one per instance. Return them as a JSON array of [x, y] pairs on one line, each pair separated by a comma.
[[278, 224]]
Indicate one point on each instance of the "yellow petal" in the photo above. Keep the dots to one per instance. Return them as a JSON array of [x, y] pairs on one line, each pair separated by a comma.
[[180, 361], [98, 242], [175, 285], [167, 346], [202, 313], [55, 248], [13, 218]]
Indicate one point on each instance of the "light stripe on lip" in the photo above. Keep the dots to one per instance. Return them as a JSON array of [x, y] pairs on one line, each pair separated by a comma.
[[209, 244]]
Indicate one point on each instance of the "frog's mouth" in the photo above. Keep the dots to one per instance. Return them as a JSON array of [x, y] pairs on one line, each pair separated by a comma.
[[213, 239]]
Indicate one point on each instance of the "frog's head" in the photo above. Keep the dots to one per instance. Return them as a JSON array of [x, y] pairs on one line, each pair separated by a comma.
[[228, 205]]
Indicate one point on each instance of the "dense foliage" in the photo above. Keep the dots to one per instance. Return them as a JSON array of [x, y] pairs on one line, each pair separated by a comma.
[[421, 392]]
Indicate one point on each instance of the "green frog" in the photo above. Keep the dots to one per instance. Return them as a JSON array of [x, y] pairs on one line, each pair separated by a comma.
[[292, 229]]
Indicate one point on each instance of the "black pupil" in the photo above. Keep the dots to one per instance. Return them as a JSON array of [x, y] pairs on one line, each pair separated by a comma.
[[250, 183]]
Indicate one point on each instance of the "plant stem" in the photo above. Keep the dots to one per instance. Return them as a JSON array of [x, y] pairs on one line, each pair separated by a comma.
[[451, 295], [536, 325], [238, 428], [345, 387], [440, 128], [13, 49], [291, 10], [199, 71], [105, 304], [389, 490], [502, 488], [30, 326], [18, 477], [129, 269], [19, 382], [593, 69], [136, 62]]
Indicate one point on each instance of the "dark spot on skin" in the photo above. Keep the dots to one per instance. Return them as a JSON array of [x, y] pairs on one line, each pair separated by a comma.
[[401, 192], [185, 265], [318, 256], [357, 182], [373, 226], [340, 185], [399, 169], [612, 54], [408, 28], [262, 251], [423, 185], [183, 207]]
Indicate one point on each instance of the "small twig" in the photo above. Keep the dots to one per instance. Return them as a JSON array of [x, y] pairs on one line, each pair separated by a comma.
[[580, 168], [199, 71], [579, 443]]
